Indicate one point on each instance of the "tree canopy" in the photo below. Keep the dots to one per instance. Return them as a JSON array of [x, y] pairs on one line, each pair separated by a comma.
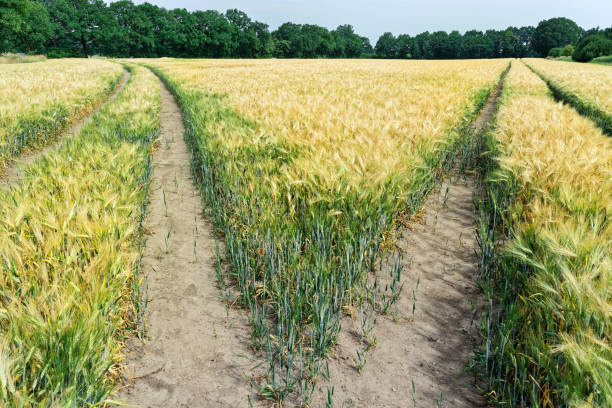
[[555, 32], [80, 28], [597, 44]]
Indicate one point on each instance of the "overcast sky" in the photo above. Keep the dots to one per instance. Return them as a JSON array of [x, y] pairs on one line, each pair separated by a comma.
[[373, 17]]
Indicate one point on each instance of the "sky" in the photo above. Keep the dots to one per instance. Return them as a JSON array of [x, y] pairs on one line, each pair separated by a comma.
[[372, 18]]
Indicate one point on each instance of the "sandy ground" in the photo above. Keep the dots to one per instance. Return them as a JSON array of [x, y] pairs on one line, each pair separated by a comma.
[[483, 121], [192, 354], [433, 347], [15, 173]]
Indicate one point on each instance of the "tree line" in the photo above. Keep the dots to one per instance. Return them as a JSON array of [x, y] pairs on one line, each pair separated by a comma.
[[81, 28], [552, 37]]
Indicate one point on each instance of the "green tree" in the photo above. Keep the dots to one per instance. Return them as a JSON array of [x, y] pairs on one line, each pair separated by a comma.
[[123, 29], [494, 41], [282, 48], [524, 42], [316, 41], [187, 40], [132, 27], [266, 44], [386, 46], [76, 26], [220, 36], [12, 14], [24, 26], [404, 46], [247, 42], [454, 44], [311, 41], [568, 50], [555, 32], [289, 41], [167, 34], [424, 43], [509, 43], [347, 43], [440, 45], [366, 47], [594, 46], [473, 45]]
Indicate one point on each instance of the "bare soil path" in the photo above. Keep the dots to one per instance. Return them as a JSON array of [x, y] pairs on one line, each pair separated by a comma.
[[433, 347], [191, 357], [15, 173], [420, 359], [485, 119]]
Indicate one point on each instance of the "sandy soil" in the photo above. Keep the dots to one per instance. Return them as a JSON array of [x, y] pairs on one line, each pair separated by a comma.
[[192, 354], [15, 173], [433, 347], [484, 120], [420, 360]]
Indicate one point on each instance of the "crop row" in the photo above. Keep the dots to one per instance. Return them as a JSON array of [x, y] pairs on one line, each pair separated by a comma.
[[308, 169], [546, 240], [39, 100], [586, 87], [70, 241]]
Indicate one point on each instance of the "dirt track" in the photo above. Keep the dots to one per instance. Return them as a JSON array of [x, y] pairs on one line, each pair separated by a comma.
[[15, 173], [191, 357], [432, 348]]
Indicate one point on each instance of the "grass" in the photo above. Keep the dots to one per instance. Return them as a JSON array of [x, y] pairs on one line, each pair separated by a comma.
[[308, 170], [10, 58], [70, 240], [587, 88], [563, 58], [607, 60], [546, 239], [40, 100]]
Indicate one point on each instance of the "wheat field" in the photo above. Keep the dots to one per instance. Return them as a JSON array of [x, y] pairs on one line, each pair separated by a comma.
[[310, 171], [309, 167], [592, 82], [40, 99], [70, 237], [555, 171]]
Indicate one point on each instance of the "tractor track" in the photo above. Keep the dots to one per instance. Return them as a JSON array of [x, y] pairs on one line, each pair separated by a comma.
[[15, 172], [192, 355]]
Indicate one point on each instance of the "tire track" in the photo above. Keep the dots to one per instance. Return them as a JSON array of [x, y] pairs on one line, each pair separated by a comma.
[[191, 355], [15, 173]]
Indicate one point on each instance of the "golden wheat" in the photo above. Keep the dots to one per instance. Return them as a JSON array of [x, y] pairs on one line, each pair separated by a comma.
[[550, 142], [358, 121], [307, 166], [69, 240], [559, 326], [40, 98], [592, 82]]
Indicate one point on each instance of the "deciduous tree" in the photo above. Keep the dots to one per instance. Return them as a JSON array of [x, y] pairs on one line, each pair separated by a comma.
[[555, 32]]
